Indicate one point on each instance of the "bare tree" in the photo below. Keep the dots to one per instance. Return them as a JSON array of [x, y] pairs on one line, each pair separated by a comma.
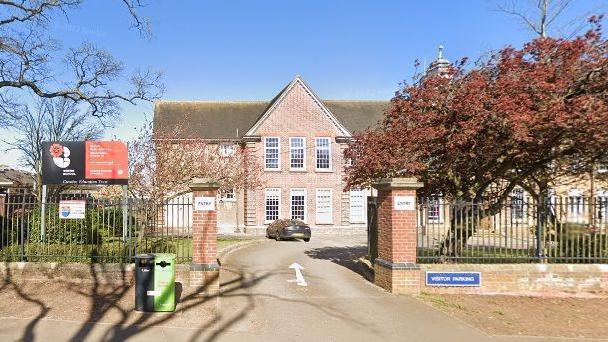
[[30, 68], [57, 119], [539, 16], [161, 165]]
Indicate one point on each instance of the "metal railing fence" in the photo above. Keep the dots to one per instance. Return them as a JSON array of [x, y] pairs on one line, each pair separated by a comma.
[[559, 230], [111, 230]]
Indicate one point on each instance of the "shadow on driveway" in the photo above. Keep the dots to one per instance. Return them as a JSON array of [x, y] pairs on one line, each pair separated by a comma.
[[344, 256]]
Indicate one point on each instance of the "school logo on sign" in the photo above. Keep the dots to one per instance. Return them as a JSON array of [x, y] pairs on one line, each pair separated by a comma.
[[61, 155]]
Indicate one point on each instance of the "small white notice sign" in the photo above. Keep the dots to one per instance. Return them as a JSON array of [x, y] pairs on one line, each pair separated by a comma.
[[72, 209], [404, 203], [204, 203]]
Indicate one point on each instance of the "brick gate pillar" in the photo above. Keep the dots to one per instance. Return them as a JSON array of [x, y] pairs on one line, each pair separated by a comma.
[[204, 270], [395, 268]]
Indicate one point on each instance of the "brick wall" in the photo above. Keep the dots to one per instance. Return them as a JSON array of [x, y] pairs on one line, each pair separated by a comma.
[[396, 228], [204, 232], [527, 279]]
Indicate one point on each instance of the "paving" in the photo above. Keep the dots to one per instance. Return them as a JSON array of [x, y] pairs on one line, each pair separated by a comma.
[[260, 301]]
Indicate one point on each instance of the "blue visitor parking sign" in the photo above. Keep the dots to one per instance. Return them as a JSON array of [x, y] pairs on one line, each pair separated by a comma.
[[453, 278]]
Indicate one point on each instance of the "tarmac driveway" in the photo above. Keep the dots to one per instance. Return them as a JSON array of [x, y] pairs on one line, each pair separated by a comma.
[[260, 301]]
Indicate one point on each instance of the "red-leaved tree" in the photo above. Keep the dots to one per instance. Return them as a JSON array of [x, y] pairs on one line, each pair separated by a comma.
[[522, 118]]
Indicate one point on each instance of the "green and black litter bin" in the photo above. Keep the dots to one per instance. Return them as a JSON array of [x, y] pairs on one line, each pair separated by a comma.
[[155, 282]]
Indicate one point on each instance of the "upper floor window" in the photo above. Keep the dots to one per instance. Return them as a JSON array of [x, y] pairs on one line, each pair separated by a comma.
[[227, 150], [323, 153], [271, 153], [297, 148]]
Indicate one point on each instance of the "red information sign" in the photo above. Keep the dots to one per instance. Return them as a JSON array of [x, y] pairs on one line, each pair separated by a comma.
[[106, 160]]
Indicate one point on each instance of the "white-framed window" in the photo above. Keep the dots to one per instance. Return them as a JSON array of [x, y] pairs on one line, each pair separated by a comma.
[[357, 206], [227, 195], [576, 205], [297, 153], [323, 154], [434, 210], [272, 155], [324, 206], [518, 206], [601, 204], [227, 149], [297, 204], [272, 204]]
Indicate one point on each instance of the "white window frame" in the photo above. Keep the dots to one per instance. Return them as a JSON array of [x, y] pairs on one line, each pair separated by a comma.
[[331, 205], [328, 148], [223, 192], [575, 205], [439, 200], [515, 193], [272, 192], [266, 148], [363, 217], [298, 192], [227, 149], [292, 149]]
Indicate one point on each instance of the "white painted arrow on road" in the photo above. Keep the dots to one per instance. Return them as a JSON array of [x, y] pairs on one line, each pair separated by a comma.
[[299, 277]]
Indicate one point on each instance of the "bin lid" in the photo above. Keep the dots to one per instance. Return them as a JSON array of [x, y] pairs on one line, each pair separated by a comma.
[[144, 256], [165, 256]]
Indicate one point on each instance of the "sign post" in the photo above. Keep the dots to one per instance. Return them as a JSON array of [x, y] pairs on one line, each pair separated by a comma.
[[43, 214], [125, 221]]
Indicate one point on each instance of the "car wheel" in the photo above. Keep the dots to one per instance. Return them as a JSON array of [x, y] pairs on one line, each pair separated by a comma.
[[306, 240], [278, 237]]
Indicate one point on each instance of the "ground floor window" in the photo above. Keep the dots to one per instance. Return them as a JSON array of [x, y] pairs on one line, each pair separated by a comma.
[[575, 205], [434, 209], [323, 204], [517, 204], [272, 201], [298, 204], [227, 195], [357, 206]]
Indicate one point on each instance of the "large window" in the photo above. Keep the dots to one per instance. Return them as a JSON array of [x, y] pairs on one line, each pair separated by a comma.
[[271, 153], [298, 204], [324, 206], [434, 206], [602, 206], [297, 148], [518, 209], [323, 153], [272, 207], [357, 206], [575, 205]]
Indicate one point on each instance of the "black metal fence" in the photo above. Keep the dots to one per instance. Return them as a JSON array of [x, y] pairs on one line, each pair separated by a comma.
[[108, 231], [559, 230]]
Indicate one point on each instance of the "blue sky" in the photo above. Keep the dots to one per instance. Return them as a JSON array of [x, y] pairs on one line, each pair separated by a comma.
[[248, 50]]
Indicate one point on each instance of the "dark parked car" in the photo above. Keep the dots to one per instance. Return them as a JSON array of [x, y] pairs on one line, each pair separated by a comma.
[[288, 229]]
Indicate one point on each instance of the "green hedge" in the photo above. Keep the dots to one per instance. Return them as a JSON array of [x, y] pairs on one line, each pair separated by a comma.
[[110, 250], [99, 223]]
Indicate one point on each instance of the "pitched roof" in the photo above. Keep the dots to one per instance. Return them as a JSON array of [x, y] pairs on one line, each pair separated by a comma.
[[15, 178], [209, 120], [232, 119]]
